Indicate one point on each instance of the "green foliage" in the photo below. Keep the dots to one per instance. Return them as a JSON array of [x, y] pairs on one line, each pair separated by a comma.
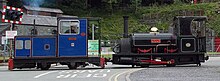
[[111, 1], [111, 12], [112, 22], [136, 4], [14, 3], [167, 12]]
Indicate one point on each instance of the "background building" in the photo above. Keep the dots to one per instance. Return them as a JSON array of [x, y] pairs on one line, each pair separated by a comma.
[[42, 11], [45, 24]]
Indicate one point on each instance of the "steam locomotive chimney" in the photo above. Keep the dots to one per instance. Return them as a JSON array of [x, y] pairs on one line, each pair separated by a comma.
[[125, 35]]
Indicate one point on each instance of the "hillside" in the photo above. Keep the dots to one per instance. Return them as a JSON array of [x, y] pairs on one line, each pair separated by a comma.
[[113, 24], [141, 17]]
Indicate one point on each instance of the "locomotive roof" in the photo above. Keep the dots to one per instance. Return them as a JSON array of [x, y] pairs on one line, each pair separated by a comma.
[[194, 17], [40, 20], [43, 9]]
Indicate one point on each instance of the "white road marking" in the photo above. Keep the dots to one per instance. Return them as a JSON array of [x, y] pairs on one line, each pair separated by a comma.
[[78, 73], [100, 75], [69, 71], [108, 71], [67, 76], [44, 74], [73, 76], [89, 75], [83, 73], [82, 76], [101, 71], [60, 76], [92, 71]]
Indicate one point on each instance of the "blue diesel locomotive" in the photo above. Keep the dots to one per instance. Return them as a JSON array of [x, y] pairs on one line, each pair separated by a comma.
[[67, 47]]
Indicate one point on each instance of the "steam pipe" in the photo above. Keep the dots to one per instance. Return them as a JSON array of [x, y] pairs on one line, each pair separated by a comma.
[[34, 31], [34, 24], [34, 27], [125, 35]]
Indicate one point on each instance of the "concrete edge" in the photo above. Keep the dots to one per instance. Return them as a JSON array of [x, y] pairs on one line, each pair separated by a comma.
[[3, 64]]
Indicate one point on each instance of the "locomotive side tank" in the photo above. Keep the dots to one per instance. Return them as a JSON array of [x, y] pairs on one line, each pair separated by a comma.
[[153, 42], [185, 44]]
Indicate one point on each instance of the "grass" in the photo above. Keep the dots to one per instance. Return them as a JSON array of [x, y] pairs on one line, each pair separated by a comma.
[[112, 25]]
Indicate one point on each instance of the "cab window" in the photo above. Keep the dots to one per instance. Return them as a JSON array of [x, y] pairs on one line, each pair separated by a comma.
[[69, 27]]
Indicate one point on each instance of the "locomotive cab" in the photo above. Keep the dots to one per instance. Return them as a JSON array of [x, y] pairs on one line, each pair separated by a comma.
[[190, 31], [72, 39]]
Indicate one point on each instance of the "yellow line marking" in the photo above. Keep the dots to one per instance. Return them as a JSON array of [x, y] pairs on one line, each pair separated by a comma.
[[126, 77], [110, 79], [116, 77]]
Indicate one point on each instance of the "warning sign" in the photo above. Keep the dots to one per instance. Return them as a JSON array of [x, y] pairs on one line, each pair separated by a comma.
[[93, 48], [11, 34], [4, 40]]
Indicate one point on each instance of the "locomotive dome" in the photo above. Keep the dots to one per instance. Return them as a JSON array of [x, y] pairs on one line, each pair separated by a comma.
[[154, 29]]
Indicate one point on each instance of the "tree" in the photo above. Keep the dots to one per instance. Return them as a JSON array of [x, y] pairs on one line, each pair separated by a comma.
[[111, 4], [94, 3], [15, 3], [186, 1], [136, 4]]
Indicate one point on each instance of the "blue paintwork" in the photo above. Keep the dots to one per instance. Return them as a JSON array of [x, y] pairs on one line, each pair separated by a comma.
[[39, 50], [23, 52], [80, 44], [65, 49]]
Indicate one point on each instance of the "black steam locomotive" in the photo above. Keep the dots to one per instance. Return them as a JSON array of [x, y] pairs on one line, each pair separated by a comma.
[[184, 44]]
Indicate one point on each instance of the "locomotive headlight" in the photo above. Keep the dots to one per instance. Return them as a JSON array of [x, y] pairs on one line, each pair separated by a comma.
[[188, 45]]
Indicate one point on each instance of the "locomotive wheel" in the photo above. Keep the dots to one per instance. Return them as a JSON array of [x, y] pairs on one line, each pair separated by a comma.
[[144, 66], [199, 64], [132, 65], [45, 66], [171, 65], [72, 66], [38, 65]]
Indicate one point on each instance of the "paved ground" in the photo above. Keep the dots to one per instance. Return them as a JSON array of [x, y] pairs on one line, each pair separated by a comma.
[[209, 71], [61, 73]]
